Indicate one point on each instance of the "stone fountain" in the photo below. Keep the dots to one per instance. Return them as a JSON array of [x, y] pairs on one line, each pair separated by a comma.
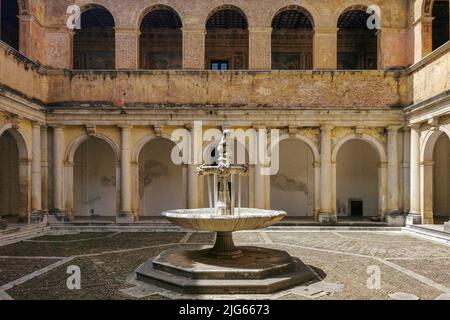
[[224, 268]]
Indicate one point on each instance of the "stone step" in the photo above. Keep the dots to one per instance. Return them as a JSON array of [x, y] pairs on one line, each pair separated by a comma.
[[428, 233], [256, 263], [185, 285]]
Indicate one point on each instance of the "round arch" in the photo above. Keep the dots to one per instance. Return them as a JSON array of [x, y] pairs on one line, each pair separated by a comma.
[[89, 6], [429, 142], [141, 15], [24, 168], [78, 141], [303, 9], [346, 7], [427, 8], [312, 145], [226, 7], [427, 175], [19, 136], [143, 142], [379, 147]]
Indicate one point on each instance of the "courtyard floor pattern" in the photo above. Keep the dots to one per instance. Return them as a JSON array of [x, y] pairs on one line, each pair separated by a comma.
[[409, 267]]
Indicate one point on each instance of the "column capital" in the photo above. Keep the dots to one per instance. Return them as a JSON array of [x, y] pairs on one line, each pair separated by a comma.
[[58, 127], [393, 128], [326, 128], [35, 124], [125, 126], [415, 126]]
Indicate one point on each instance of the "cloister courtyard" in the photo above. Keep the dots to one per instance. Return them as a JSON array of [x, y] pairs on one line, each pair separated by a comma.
[[343, 261]]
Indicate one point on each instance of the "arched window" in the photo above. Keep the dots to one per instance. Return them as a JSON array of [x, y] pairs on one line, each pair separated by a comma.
[[161, 40], [227, 40], [292, 40], [9, 26], [94, 44], [441, 26], [357, 46]]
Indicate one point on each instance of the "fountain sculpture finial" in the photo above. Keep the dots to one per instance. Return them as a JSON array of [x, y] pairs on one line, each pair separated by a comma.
[[223, 171]]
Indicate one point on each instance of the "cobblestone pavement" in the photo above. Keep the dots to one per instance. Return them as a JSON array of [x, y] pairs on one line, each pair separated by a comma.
[[37, 268]]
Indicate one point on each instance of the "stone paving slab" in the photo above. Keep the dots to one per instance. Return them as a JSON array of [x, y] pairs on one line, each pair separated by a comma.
[[408, 266]]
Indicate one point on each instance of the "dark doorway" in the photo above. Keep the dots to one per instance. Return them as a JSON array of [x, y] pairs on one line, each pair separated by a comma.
[[356, 208], [440, 23], [9, 26]]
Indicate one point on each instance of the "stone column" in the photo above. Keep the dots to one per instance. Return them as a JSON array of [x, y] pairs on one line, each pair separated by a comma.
[[126, 215], [127, 48], [44, 169], [194, 182], [36, 162], [58, 167], [393, 168], [325, 48], [406, 168], [415, 217], [426, 192], [327, 214], [317, 190], [260, 48], [25, 35], [262, 188], [382, 188], [194, 48]]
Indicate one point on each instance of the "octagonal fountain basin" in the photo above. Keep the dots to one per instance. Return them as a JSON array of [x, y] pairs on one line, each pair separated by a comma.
[[207, 220]]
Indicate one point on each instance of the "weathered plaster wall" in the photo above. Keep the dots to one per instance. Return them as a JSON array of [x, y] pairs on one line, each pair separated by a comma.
[[432, 76], [160, 180], [292, 189]]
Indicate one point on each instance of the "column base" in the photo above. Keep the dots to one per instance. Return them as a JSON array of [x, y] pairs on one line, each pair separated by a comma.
[[57, 216], [395, 219], [37, 217], [447, 226], [413, 218], [125, 217], [327, 218]]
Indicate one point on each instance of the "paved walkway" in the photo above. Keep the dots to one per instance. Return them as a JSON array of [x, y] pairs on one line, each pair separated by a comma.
[[353, 265]]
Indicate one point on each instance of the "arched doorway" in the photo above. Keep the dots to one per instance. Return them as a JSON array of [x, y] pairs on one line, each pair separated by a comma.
[[15, 176], [227, 44], [357, 47], [161, 184], [94, 180], [161, 40], [9, 177], [440, 14], [9, 24], [441, 180], [94, 45], [292, 40], [357, 180], [292, 189]]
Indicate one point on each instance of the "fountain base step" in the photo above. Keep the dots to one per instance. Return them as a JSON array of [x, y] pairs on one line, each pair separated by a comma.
[[257, 271]]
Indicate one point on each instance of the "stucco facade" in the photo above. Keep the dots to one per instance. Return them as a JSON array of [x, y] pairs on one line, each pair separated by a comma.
[[97, 143]]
